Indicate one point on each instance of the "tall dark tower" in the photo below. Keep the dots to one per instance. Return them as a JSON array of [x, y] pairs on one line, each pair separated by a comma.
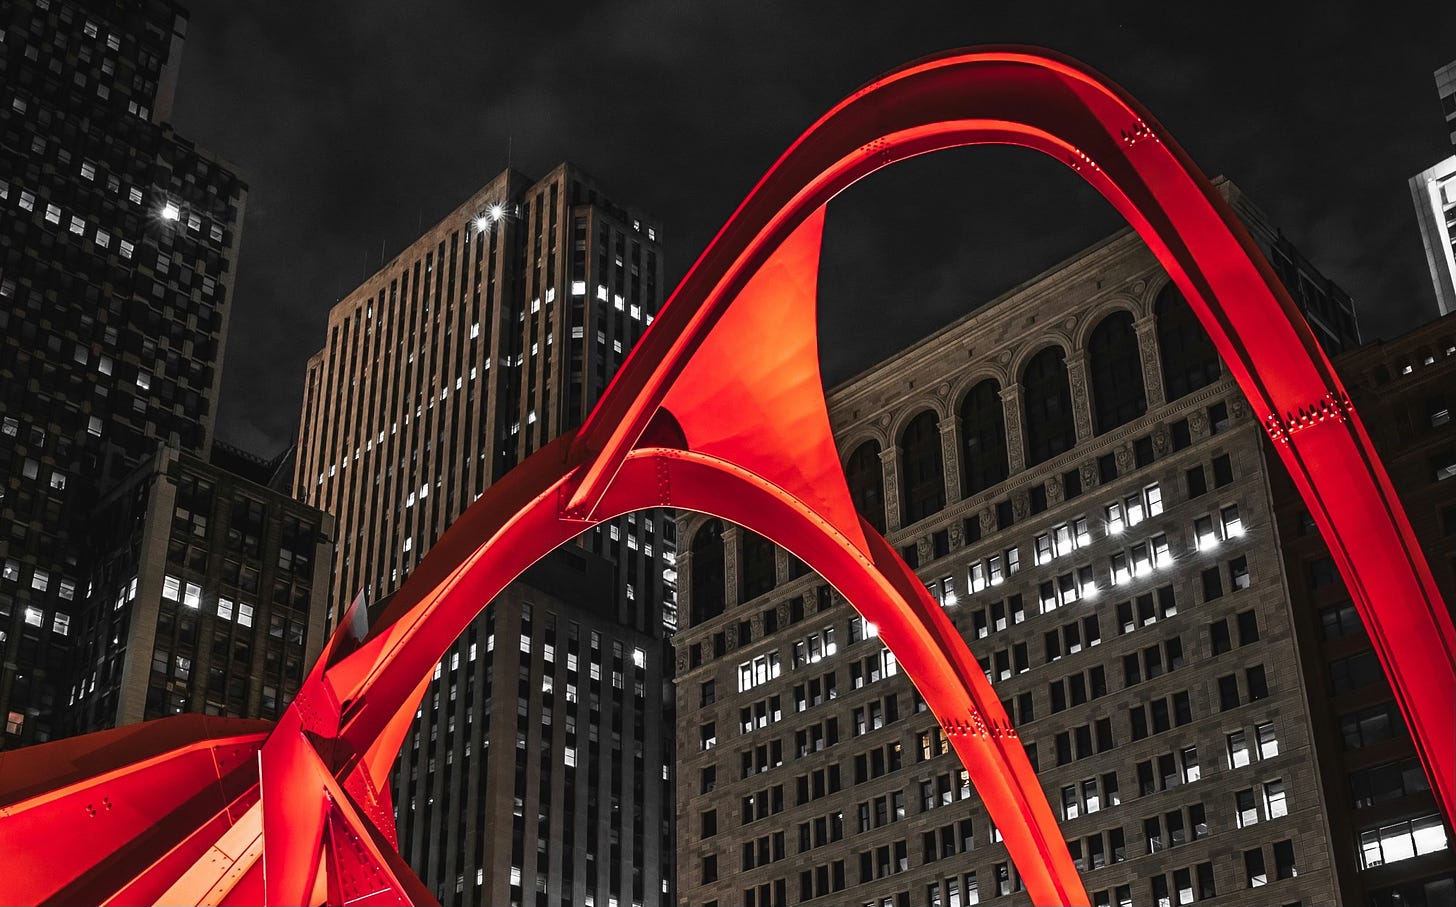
[[490, 335], [117, 247]]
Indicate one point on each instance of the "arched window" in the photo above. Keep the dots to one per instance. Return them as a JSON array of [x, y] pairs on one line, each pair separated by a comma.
[[1189, 359], [983, 438], [866, 478], [707, 570], [758, 564], [1047, 398], [922, 477], [1118, 396]]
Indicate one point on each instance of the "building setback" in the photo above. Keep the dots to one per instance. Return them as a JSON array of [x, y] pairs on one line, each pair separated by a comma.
[[493, 333], [1084, 489], [117, 245]]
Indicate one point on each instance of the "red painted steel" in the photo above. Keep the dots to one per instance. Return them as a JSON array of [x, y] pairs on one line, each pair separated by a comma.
[[720, 409]]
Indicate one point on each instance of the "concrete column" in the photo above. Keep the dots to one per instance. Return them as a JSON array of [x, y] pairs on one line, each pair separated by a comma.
[[731, 541], [889, 460], [1081, 397], [1147, 337], [1011, 412], [950, 459]]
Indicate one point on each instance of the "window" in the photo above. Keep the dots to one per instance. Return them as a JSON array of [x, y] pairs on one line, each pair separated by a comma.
[[1188, 355], [1116, 368], [1275, 803], [1047, 401], [1268, 742], [1402, 841], [983, 438], [1223, 470], [708, 578], [1238, 750], [921, 471], [1366, 727], [1255, 875], [1238, 573], [757, 671], [1284, 867], [1196, 481]]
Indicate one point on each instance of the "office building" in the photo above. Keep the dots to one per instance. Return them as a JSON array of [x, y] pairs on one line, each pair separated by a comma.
[[1384, 822], [490, 335], [118, 239], [207, 594], [1081, 485], [1433, 191]]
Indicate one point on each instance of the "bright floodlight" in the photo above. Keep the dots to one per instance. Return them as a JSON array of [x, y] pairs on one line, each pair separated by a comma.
[[482, 223], [496, 212], [170, 211]]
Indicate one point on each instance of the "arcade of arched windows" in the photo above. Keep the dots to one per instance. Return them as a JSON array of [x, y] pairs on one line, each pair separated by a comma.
[[1126, 356]]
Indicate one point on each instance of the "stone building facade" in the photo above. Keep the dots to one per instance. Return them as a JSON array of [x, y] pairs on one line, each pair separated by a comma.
[[1083, 488]]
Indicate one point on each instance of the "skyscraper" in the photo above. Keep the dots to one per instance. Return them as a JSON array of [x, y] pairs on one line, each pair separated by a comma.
[[117, 247], [1084, 490], [1434, 193], [487, 337]]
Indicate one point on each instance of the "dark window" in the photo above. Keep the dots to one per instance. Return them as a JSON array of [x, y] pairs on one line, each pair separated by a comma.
[[940, 543], [911, 555], [1142, 451], [866, 479], [1212, 584], [1106, 468], [758, 564], [707, 572], [1005, 515], [1189, 358], [1228, 692], [1116, 373], [1197, 482], [1072, 487], [971, 529], [922, 478], [1248, 627], [1218, 633], [1047, 398], [1322, 573], [1182, 437], [1223, 470], [1258, 686], [1037, 498], [983, 438], [1218, 418]]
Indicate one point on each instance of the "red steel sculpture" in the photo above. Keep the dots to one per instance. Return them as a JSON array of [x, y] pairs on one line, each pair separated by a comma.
[[720, 409]]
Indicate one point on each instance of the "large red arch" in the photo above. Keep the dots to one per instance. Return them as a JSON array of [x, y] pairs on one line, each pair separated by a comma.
[[706, 415]]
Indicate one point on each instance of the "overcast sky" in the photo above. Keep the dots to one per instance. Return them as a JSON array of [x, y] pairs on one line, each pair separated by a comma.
[[357, 124]]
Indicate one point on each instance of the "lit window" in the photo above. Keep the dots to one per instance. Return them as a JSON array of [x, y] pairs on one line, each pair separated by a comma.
[[245, 615], [1238, 750], [170, 211], [639, 658], [53, 214], [1276, 804], [192, 595], [34, 617], [1233, 526], [225, 608], [1204, 537], [61, 624], [171, 588]]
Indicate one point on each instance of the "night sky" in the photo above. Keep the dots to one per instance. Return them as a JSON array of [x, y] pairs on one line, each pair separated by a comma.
[[358, 124]]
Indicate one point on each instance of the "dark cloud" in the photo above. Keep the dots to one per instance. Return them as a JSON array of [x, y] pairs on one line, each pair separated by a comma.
[[357, 124]]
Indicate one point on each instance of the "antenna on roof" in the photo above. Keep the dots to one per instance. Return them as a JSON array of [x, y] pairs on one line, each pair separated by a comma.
[[509, 139]]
